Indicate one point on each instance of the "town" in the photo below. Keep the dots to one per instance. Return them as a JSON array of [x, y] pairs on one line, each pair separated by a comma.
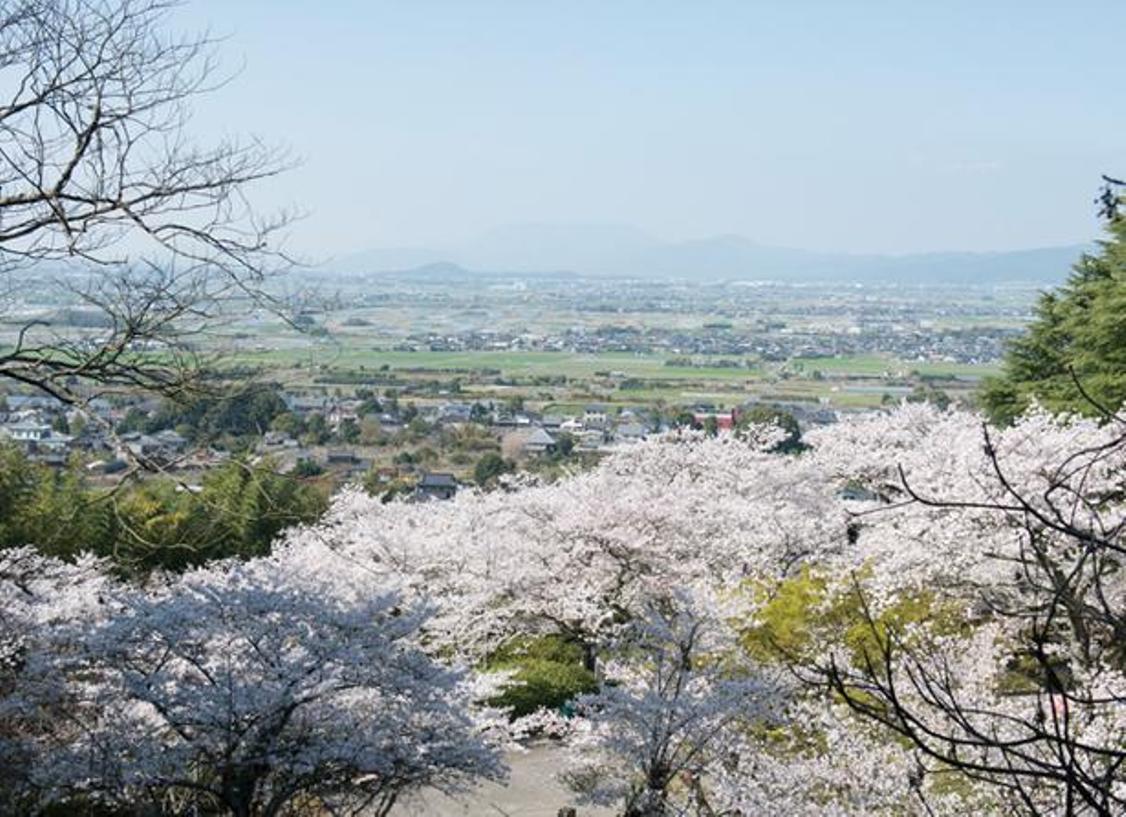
[[421, 384]]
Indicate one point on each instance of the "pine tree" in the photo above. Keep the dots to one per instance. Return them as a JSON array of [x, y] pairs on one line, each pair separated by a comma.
[[1073, 358]]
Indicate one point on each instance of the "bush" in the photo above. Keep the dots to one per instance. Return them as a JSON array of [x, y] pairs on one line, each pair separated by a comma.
[[548, 673]]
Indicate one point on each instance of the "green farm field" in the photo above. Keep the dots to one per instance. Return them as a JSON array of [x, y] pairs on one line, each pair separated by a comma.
[[855, 382], [529, 364]]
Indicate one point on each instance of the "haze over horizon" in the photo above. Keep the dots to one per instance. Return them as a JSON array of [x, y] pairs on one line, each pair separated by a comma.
[[609, 250], [858, 127]]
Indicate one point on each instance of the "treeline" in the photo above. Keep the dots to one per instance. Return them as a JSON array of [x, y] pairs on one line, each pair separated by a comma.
[[158, 523], [230, 416]]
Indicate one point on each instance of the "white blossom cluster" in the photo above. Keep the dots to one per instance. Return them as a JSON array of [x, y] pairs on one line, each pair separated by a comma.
[[328, 669]]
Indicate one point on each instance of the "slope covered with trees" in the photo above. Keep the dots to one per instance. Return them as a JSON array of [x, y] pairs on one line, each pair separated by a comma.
[[913, 615]]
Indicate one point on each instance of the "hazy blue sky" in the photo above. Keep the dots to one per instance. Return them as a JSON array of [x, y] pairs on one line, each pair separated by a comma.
[[824, 124]]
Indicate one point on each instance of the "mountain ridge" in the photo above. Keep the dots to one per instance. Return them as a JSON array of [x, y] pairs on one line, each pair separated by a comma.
[[613, 251]]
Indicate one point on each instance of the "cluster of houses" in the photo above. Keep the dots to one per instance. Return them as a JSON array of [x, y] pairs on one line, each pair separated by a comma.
[[523, 435], [879, 334], [34, 423], [50, 432]]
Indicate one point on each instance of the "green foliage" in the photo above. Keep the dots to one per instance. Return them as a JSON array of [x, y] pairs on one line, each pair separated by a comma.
[[390, 490], [802, 613], [158, 523], [790, 612], [240, 413], [564, 445], [307, 468], [371, 432], [489, 467], [134, 420], [467, 438], [349, 431], [417, 429], [316, 430], [370, 405], [927, 393], [237, 512], [288, 423], [1078, 329], [548, 672], [52, 510], [478, 413]]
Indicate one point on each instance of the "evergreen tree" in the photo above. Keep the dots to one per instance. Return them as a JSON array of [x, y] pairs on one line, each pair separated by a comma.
[[1075, 349]]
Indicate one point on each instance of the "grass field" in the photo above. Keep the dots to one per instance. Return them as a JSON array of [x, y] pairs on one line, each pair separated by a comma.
[[516, 364], [530, 364], [877, 365], [854, 382]]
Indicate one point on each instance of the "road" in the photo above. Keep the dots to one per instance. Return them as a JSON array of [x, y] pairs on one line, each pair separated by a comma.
[[531, 791]]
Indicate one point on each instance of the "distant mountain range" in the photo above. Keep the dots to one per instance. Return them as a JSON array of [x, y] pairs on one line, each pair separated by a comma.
[[605, 250]]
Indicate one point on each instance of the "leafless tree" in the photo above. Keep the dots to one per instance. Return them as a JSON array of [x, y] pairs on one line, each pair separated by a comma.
[[107, 205]]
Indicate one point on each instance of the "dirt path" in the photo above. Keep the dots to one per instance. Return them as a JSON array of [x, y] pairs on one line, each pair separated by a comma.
[[531, 791]]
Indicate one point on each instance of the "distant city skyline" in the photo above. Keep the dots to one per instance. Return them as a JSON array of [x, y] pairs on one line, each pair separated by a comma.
[[860, 127]]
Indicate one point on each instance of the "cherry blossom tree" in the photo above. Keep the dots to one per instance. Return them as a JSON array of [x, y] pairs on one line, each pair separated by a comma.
[[579, 556], [674, 700], [823, 762], [37, 595], [244, 687], [952, 594], [1030, 702]]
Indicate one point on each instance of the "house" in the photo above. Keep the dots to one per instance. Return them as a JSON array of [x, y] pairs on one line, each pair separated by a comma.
[[340, 413], [37, 439], [275, 440], [436, 486], [202, 458], [93, 439], [346, 463], [99, 407], [34, 402], [162, 447], [455, 413], [504, 420], [630, 433], [594, 416], [24, 431], [539, 443], [384, 475], [341, 457], [170, 440], [591, 439], [724, 420], [105, 467], [390, 422], [302, 405]]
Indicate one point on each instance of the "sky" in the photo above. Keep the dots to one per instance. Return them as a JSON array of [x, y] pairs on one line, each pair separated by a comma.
[[830, 125]]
